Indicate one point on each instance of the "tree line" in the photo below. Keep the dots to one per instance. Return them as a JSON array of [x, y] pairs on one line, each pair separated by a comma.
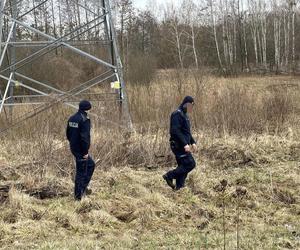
[[231, 36]]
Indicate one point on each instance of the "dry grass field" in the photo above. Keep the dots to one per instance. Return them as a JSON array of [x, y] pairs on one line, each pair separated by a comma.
[[244, 193]]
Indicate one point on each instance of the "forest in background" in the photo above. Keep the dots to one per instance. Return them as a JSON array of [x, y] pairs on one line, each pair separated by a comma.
[[227, 37]]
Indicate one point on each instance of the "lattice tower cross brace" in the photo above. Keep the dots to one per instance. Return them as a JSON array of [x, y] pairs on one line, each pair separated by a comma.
[[115, 56]]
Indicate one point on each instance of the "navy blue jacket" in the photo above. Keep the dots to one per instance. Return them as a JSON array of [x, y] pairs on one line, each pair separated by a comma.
[[78, 133], [180, 129]]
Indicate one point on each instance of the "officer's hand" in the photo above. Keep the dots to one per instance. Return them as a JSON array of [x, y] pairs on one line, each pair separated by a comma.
[[86, 156], [187, 148], [194, 146]]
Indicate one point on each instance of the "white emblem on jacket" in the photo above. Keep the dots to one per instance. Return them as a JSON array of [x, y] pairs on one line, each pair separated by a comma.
[[73, 124]]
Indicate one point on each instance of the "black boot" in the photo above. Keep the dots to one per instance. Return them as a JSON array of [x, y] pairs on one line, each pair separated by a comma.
[[178, 188], [88, 191], [77, 198], [169, 181]]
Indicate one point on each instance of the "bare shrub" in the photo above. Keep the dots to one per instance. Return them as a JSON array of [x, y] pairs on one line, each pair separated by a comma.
[[141, 69], [278, 107], [235, 110]]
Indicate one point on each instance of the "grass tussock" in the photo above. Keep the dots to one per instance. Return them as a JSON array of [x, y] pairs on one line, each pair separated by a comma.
[[139, 210]]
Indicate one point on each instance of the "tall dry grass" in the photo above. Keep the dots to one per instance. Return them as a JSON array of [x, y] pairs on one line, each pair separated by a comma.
[[248, 133], [224, 106], [239, 107]]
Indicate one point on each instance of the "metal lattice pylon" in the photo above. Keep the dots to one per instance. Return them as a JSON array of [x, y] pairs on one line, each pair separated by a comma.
[[10, 74]]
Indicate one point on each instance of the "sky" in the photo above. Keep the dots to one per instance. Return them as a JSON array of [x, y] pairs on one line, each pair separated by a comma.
[[142, 4]]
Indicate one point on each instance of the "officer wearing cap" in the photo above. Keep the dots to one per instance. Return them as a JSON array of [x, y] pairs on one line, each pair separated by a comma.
[[182, 144], [78, 135]]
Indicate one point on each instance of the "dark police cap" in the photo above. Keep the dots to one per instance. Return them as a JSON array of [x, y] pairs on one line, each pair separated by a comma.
[[85, 105], [188, 99]]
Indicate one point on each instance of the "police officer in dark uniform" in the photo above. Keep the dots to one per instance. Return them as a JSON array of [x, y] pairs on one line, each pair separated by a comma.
[[78, 134], [182, 144]]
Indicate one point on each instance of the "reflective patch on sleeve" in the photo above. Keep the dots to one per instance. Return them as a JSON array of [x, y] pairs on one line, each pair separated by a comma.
[[73, 124]]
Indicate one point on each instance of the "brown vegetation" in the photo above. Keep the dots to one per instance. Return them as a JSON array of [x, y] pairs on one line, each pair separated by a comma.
[[248, 134]]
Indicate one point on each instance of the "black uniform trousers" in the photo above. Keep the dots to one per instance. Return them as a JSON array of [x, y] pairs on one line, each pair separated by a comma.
[[84, 172], [186, 164]]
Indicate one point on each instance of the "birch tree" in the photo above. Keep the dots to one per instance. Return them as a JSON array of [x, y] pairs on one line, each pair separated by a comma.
[[177, 33], [192, 16], [294, 5], [211, 4], [277, 33]]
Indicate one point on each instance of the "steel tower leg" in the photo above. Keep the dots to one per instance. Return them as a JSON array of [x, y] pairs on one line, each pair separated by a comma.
[[124, 109]]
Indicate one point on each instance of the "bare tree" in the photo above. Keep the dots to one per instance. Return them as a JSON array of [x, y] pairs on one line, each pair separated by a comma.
[[263, 29], [254, 27], [125, 10], [172, 17], [244, 20], [294, 5], [286, 27], [191, 15], [214, 26], [277, 32]]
